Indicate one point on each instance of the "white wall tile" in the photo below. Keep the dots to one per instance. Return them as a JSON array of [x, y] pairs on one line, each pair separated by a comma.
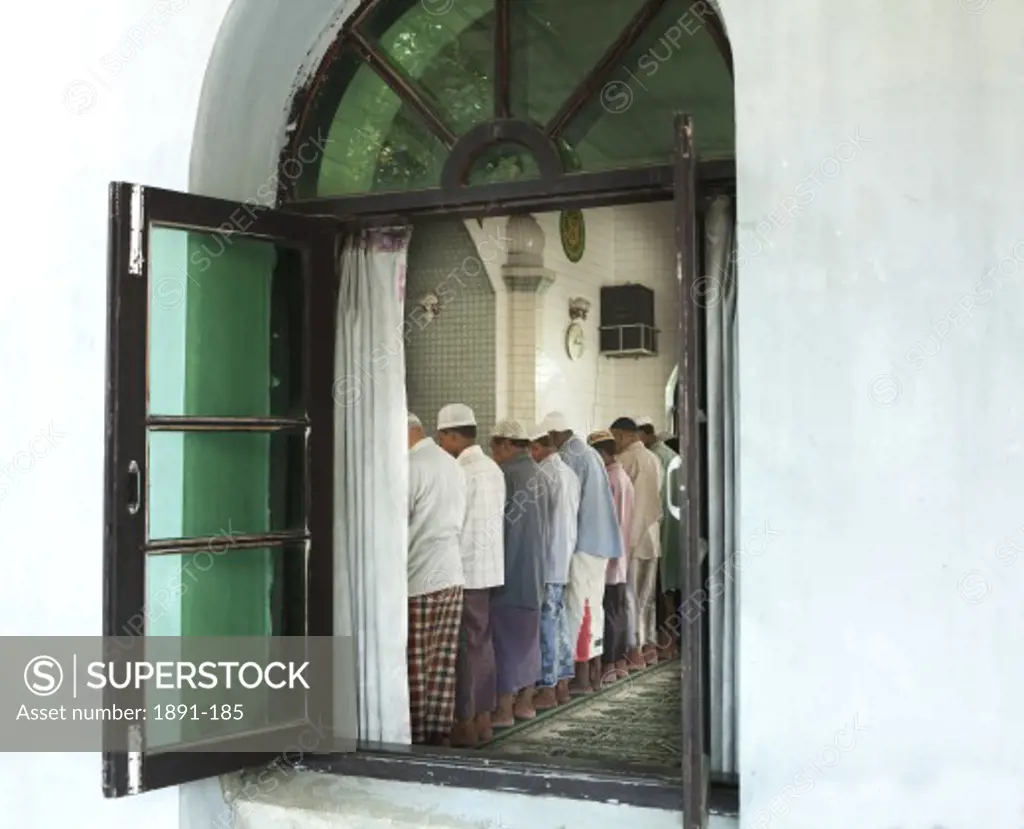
[[634, 243]]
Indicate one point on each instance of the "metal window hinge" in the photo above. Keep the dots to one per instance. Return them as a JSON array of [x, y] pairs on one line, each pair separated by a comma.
[[135, 242], [134, 759]]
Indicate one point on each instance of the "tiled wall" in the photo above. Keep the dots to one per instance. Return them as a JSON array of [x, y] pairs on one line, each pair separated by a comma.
[[452, 359], [635, 243], [645, 251], [492, 242]]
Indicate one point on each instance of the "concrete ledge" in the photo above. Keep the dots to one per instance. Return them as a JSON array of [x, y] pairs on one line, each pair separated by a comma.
[[313, 800]]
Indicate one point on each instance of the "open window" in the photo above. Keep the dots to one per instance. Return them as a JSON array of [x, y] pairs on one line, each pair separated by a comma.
[[218, 481], [223, 325]]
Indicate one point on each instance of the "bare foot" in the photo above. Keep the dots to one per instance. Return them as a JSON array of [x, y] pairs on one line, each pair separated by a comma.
[[581, 684], [484, 731], [502, 716], [523, 708], [464, 734], [545, 699]]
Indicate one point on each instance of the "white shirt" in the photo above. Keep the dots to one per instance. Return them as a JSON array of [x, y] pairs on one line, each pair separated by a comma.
[[482, 537], [564, 516], [437, 503], [644, 469]]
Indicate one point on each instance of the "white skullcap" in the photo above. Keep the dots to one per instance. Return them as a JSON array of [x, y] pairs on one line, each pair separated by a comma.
[[555, 422], [454, 415], [538, 432], [509, 429], [414, 421], [644, 421]]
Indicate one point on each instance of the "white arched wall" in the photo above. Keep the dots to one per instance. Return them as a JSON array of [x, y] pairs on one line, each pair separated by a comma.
[[881, 509], [882, 249], [853, 610], [263, 54]]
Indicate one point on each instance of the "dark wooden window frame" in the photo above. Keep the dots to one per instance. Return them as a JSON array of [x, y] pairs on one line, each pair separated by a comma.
[[134, 210], [124, 584], [127, 421], [558, 187], [544, 776]]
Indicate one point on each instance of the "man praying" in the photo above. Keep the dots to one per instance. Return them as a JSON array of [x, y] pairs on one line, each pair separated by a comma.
[[437, 505], [669, 574], [482, 544], [556, 650], [616, 608], [597, 541], [644, 470], [516, 605]]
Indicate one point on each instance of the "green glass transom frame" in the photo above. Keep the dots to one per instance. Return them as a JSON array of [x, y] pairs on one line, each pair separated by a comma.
[[424, 94]]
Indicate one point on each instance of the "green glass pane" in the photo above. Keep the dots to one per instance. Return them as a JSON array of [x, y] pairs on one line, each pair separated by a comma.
[[185, 595], [674, 67], [222, 484], [178, 715], [225, 325], [555, 44], [447, 47], [219, 592], [376, 142], [503, 162]]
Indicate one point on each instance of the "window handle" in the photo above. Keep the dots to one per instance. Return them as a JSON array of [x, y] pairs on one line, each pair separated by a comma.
[[134, 488]]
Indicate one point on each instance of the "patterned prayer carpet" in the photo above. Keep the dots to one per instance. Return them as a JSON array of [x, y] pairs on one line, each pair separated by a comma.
[[634, 722]]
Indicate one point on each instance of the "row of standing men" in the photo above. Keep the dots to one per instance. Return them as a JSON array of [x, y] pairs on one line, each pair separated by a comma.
[[533, 576]]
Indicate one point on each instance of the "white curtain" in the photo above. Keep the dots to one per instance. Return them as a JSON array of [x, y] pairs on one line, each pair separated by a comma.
[[371, 478], [719, 240]]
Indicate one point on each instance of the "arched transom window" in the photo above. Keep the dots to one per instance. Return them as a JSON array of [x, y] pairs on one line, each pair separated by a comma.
[[425, 94]]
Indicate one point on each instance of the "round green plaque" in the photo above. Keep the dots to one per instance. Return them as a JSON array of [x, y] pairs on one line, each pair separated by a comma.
[[573, 231]]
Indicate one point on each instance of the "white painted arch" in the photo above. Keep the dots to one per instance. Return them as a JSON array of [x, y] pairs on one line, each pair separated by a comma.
[[263, 54]]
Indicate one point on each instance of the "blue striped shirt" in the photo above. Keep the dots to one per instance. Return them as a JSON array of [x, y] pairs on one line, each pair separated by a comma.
[[598, 525]]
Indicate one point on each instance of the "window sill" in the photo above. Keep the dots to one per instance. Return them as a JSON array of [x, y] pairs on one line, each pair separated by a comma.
[[547, 777]]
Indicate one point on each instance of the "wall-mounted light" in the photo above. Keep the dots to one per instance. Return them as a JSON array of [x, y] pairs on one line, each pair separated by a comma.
[[578, 308], [431, 305]]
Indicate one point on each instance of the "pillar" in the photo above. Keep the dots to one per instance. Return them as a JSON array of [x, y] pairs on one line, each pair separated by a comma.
[[526, 280]]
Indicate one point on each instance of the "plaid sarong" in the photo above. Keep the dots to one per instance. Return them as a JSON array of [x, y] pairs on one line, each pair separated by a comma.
[[434, 620]]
